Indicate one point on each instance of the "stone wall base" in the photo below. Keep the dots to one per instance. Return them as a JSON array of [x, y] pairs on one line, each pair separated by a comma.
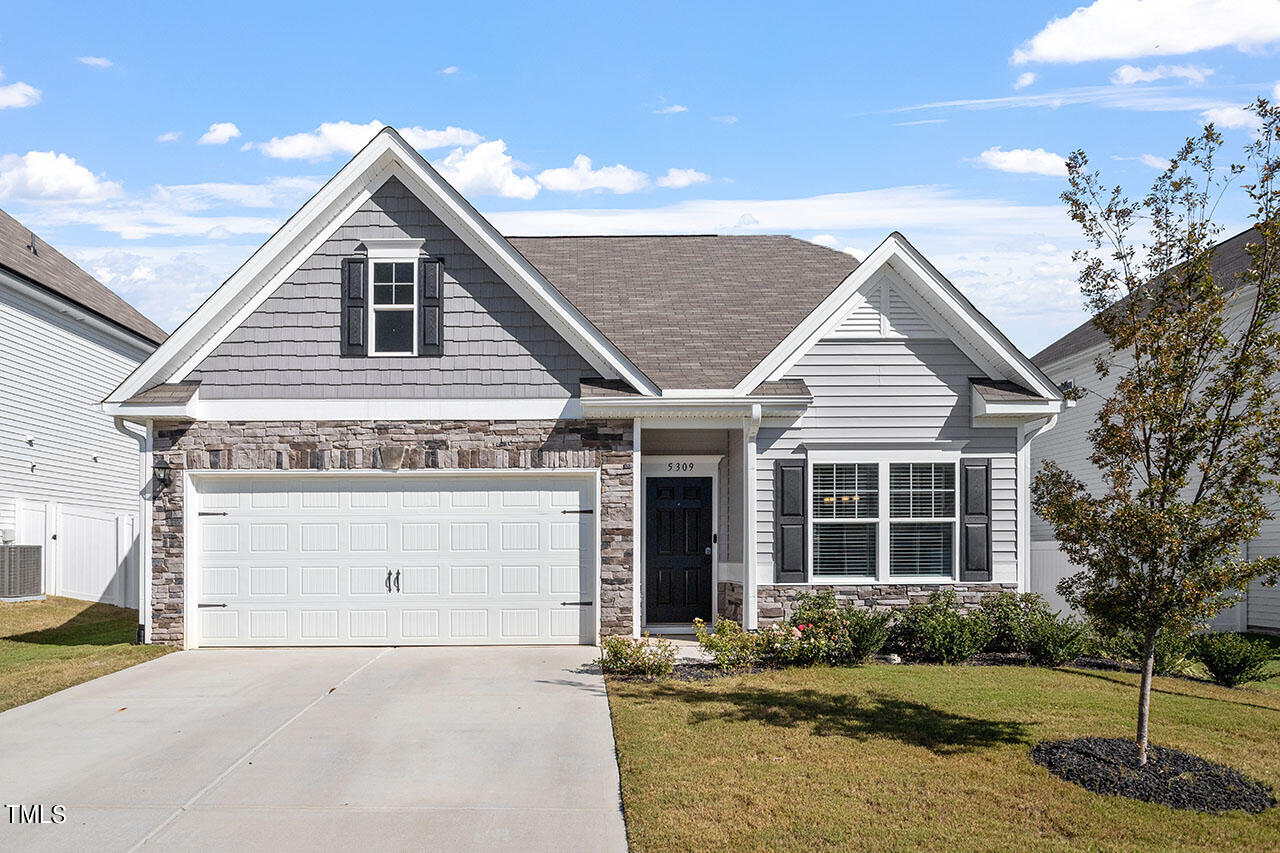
[[729, 601], [776, 602]]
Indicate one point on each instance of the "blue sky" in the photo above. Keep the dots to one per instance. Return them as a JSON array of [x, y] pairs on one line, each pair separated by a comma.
[[160, 144]]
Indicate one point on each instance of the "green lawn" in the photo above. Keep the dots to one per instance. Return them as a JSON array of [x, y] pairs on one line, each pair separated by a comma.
[[919, 757], [47, 646]]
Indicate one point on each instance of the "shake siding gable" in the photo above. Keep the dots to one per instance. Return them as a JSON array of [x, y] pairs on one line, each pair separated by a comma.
[[892, 392], [495, 344]]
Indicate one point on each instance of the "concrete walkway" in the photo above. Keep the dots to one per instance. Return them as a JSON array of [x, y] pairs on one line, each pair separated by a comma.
[[299, 749]]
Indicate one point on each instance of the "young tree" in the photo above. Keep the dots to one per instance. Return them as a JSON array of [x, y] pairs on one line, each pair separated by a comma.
[[1188, 443]]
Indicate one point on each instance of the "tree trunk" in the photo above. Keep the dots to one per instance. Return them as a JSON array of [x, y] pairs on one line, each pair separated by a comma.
[[1144, 695]]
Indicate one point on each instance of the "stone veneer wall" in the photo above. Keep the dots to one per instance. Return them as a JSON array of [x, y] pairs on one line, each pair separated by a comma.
[[777, 601], [729, 601], [382, 445]]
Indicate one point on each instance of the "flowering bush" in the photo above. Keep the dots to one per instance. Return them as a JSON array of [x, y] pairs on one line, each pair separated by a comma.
[[824, 632], [646, 656]]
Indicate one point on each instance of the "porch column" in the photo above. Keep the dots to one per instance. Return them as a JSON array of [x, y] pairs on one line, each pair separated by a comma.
[[750, 427]]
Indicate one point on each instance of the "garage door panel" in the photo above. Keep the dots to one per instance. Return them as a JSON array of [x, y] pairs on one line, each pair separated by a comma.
[[484, 560]]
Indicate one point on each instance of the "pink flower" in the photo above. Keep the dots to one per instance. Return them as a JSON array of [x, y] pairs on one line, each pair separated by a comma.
[[795, 632]]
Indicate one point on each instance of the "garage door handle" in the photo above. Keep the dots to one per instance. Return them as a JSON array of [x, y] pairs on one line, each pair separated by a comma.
[[388, 580], [578, 512], [576, 603], [211, 605], [397, 580]]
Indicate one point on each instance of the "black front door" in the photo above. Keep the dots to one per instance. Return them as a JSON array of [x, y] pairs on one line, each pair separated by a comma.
[[678, 549]]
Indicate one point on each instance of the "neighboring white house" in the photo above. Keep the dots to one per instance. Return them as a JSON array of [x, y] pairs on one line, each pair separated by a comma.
[[69, 480], [1070, 359]]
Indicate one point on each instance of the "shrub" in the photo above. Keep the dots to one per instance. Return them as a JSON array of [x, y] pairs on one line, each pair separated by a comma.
[[1171, 650], [939, 632], [729, 646], [1054, 642], [824, 632], [1234, 659], [1013, 617], [647, 656]]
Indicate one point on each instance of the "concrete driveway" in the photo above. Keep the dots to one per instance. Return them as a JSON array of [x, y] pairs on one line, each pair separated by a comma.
[[291, 749]]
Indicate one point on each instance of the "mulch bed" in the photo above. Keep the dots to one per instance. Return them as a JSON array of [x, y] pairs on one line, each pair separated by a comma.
[[1170, 777]]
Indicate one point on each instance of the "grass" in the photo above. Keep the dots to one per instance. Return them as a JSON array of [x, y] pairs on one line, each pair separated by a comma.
[[50, 645], [918, 757]]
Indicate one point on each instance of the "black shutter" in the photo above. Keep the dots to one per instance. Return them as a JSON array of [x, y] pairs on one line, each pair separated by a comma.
[[430, 306], [975, 520], [790, 542], [355, 296]]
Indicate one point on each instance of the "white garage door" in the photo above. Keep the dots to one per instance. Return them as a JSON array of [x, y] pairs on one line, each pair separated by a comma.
[[395, 560]]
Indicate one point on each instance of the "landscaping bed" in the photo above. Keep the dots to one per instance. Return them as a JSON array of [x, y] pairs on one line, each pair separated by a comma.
[[1170, 777]]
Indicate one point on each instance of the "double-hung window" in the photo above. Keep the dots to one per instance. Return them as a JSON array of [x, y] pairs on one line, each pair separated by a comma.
[[846, 512], [883, 519], [922, 518], [394, 308]]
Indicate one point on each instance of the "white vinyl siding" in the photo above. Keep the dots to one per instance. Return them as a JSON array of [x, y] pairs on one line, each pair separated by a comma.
[[887, 392], [60, 457]]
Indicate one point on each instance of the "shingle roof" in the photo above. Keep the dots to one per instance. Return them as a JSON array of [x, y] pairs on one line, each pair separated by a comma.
[[169, 392], [1230, 258], [690, 311], [1003, 391], [53, 271]]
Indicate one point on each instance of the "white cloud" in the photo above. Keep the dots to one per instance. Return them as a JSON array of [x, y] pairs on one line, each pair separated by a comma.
[[96, 61], [1028, 161], [275, 193], [920, 122], [671, 109], [1151, 161], [1140, 98], [1233, 118], [831, 241], [580, 177], [219, 133], [725, 119], [452, 69], [17, 95], [676, 179], [1025, 79], [1125, 29], [1127, 75], [48, 176], [344, 137], [486, 169], [169, 136]]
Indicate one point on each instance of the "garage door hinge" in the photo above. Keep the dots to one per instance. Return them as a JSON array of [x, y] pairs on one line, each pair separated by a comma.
[[578, 511], [211, 605], [211, 513]]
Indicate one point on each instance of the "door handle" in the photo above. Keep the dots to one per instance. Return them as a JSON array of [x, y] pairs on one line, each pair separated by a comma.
[[388, 580], [397, 580], [576, 603]]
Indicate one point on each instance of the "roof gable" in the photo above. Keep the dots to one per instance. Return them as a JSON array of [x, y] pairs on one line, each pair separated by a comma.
[[387, 155], [887, 310], [920, 284], [50, 269]]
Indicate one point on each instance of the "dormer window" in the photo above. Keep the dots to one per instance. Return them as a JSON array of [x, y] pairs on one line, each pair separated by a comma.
[[394, 315]]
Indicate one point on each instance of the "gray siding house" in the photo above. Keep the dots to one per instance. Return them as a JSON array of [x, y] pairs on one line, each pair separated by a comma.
[[394, 425], [1070, 359]]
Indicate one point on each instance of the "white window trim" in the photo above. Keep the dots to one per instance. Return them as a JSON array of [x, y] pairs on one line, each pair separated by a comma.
[[882, 458], [393, 255]]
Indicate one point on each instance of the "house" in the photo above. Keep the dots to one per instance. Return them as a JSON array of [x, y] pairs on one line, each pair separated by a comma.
[[69, 480], [395, 425], [1070, 359]]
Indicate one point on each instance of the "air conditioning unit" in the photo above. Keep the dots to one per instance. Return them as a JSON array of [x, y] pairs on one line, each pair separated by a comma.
[[21, 573]]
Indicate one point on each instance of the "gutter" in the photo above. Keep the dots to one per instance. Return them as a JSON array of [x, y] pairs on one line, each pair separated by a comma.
[[144, 440]]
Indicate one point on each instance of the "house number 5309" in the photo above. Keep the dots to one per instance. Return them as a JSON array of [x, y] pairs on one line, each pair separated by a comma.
[[679, 466]]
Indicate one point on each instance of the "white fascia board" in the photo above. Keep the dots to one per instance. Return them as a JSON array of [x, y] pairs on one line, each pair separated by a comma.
[[385, 156], [901, 257], [694, 407], [995, 413], [414, 409]]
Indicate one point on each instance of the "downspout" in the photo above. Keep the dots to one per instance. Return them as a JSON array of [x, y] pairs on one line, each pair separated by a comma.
[[750, 611], [144, 440]]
